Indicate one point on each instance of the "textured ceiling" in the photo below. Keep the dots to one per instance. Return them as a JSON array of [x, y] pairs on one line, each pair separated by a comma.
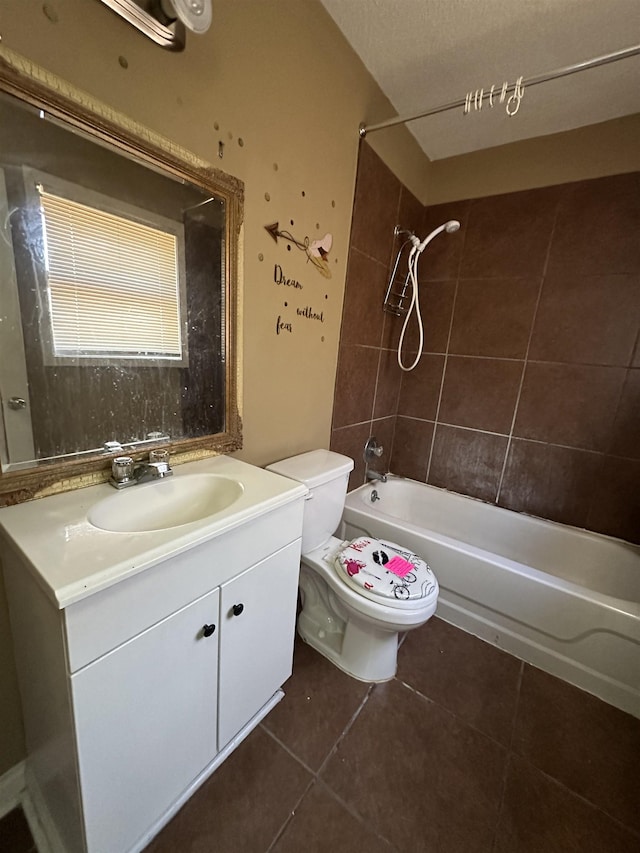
[[424, 53]]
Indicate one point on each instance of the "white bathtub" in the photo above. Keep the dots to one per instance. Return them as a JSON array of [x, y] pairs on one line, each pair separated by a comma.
[[563, 599]]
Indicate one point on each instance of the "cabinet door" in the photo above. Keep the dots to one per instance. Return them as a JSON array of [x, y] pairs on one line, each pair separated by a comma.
[[145, 718], [257, 624]]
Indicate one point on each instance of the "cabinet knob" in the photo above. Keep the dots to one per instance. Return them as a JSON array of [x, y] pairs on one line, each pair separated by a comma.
[[208, 630], [237, 609]]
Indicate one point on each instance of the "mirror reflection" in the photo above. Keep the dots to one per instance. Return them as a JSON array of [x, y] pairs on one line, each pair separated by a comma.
[[112, 297]]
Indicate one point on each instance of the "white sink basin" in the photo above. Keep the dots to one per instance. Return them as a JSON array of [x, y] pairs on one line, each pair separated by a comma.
[[167, 503]]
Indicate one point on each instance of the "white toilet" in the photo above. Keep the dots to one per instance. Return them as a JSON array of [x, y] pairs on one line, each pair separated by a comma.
[[353, 607]]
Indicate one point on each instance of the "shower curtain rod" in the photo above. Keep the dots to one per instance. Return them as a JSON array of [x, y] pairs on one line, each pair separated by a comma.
[[605, 59]]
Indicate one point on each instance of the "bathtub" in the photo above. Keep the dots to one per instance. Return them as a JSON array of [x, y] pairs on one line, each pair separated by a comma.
[[563, 599]]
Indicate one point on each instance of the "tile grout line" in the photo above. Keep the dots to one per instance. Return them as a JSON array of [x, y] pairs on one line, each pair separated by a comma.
[[510, 753], [446, 354], [545, 267], [289, 818], [552, 779], [316, 774]]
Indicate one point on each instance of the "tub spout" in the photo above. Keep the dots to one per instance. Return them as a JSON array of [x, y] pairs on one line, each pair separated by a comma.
[[375, 475]]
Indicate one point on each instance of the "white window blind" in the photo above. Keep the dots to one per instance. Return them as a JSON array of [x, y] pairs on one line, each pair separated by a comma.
[[113, 283]]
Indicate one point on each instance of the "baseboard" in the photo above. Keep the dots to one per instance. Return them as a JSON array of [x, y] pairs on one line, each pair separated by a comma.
[[12, 786]]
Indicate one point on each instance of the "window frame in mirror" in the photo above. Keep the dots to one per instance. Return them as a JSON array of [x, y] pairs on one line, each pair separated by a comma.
[[59, 99]]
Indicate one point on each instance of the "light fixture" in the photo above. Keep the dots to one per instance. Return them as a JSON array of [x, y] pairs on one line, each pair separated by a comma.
[[164, 21], [194, 14]]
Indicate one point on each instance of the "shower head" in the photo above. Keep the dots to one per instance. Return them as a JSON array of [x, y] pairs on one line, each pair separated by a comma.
[[450, 226]]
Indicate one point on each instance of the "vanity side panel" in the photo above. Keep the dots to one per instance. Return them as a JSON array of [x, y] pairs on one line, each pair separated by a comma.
[[103, 621], [38, 636]]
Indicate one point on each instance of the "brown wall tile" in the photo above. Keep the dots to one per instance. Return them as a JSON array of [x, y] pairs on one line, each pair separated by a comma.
[[467, 461], [410, 213], [441, 259], [587, 319], [420, 388], [569, 404], [615, 499], [364, 294], [411, 447], [480, 393], [355, 385], [350, 441], [494, 317], [383, 430], [625, 436], [508, 235], [550, 482], [597, 227], [436, 306], [573, 251], [388, 385], [375, 212]]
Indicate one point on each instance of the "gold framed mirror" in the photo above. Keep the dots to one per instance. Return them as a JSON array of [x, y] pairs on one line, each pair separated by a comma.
[[120, 264]]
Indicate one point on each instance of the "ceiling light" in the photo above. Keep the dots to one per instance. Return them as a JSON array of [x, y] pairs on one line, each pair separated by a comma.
[[194, 14]]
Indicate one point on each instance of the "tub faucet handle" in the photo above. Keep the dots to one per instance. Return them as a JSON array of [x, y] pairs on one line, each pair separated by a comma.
[[372, 448]]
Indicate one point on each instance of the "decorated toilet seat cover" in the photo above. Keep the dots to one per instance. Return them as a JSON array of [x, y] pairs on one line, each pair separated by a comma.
[[384, 570]]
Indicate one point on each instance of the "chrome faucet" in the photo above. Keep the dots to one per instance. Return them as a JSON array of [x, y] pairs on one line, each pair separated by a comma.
[[371, 449], [147, 471], [125, 473]]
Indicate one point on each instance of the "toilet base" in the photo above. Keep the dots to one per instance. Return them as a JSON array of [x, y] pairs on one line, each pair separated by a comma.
[[354, 645]]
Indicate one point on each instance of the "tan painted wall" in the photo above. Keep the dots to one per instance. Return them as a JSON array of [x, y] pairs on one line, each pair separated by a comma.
[[609, 148], [278, 75]]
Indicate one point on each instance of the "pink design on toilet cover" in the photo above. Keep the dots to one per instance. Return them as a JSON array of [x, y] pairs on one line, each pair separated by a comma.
[[370, 556]]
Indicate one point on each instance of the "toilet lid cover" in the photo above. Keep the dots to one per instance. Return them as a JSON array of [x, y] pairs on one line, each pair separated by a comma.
[[362, 563]]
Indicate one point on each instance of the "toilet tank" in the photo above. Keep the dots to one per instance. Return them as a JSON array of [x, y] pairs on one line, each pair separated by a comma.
[[326, 475]]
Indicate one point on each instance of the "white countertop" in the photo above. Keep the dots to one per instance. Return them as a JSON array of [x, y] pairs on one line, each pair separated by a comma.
[[72, 559]]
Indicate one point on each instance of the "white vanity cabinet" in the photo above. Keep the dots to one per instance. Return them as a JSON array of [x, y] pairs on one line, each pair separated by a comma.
[[145, 719], [135, 693]]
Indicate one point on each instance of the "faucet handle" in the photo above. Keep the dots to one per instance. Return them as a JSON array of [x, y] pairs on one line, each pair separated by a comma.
[[372, 448], [122, 469]]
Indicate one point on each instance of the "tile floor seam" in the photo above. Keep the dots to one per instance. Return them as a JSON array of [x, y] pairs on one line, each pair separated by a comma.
[[516, 710], [456, 717], [356, 814], [346, 730], [503, 794], [289, 751], [620, 824], [290, 816]]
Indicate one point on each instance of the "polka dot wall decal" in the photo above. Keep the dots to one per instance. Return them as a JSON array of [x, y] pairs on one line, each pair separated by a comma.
[[241, 142], [267, 197], [216, 126], [275, 167], [260, 256], [124, 63], [333, 204]]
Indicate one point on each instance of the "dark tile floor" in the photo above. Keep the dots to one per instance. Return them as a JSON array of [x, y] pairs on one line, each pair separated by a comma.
[[468, 749]]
